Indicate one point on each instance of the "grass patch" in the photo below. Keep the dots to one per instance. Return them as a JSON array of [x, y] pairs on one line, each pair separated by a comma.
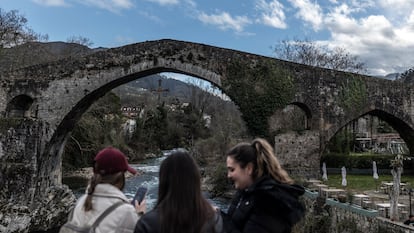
[[364, 182]]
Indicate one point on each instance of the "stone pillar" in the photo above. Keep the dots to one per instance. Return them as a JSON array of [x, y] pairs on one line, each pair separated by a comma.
[[29, 201], [299, 153]]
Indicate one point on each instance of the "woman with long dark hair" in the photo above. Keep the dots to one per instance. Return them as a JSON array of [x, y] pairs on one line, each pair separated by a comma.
[[181, 207], [266, 199]]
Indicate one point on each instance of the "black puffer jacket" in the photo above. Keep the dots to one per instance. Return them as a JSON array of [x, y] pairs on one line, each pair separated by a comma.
[[149, 223], [265, 207]]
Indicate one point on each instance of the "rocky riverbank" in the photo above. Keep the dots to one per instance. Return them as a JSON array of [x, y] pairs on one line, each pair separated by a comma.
[[86, 173]]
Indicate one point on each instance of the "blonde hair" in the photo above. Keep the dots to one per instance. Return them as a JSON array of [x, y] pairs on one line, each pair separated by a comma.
[[267, 163]]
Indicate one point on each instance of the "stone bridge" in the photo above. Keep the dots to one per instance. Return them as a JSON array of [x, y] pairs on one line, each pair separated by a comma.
[[40, 105]]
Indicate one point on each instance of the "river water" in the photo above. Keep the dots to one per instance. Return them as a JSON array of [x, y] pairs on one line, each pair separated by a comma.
[[149, 177]]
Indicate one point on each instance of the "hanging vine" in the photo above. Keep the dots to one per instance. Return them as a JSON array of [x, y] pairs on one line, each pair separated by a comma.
[[354, 93], [258, 89]]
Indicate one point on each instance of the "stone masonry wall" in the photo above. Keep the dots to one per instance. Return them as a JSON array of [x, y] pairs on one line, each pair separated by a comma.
[[299, 153], [18, 150], [330, 216], [28, 202]]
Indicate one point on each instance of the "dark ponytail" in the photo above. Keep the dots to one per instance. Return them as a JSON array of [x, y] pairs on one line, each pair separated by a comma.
[[116, 179], [95, 179]]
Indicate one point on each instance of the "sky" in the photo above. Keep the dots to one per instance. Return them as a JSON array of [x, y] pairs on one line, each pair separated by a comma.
[[379, 32]]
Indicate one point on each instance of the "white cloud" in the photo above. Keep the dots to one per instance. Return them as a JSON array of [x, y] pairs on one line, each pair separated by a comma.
[[165, 2], [379, 32], [51, 2], [225, 21], [122, 40], [397, 6], [338, 21], [272, 13], [379, 42], [410, 20], [397, 11], [110, 5], [190, 3], [122, 3], [309, 12], [151, 17], [361, 5]]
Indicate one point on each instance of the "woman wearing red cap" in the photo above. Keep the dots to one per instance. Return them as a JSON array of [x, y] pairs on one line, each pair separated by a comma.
[[104, 191]]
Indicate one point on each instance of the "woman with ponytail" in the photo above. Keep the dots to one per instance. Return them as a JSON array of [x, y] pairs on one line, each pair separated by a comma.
[[105, 190], [266, 199]]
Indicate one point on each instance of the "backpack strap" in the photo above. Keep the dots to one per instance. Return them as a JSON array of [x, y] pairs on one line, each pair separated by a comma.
[[71, 214], [105, 213]]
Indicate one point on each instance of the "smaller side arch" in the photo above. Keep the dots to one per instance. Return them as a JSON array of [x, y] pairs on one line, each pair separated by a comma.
[[20, 106], [400, 125], [295, 116], [307, 112]]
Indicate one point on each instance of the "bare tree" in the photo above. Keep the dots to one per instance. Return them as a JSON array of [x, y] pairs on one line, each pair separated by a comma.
[[397, 169], [14, 30], [80, 40], [314, 54], [200, 93]]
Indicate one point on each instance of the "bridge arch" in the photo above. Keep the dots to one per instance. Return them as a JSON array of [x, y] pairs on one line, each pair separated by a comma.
[[56, 145], [308, 113], [396, 121], [20, 107], [295, 116], [20, 104]]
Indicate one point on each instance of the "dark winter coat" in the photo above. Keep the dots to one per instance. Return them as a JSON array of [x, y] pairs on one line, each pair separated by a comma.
[[265, 207], [149, 223]]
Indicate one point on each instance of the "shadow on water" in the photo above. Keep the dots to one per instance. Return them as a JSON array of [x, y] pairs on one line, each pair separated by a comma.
[[75, 183]]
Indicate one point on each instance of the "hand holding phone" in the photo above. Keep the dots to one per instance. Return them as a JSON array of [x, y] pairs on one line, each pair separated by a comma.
[[139, 195]]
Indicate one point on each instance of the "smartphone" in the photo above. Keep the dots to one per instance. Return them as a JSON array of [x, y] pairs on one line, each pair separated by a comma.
[[139, 195]]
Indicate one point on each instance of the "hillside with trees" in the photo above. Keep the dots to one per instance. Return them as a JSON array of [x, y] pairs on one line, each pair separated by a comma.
[[185, 116]]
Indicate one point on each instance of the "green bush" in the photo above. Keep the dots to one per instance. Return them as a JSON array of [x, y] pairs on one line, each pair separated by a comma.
[[219, 180]]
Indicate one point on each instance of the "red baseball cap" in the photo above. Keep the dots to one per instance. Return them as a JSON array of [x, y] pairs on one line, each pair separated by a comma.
[[111, 160]]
